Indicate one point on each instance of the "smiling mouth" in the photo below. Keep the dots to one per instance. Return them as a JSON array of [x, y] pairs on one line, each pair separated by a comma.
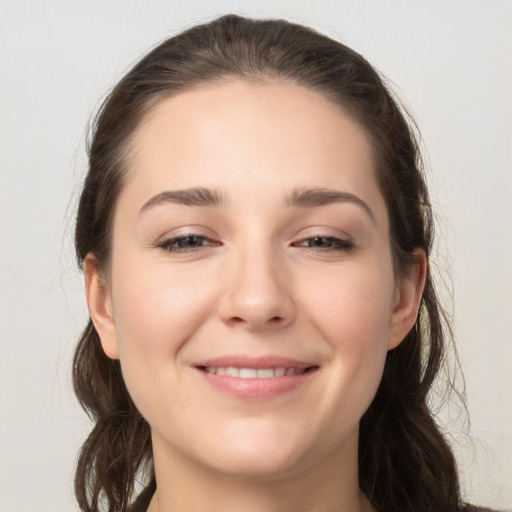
[[256, 379], [256, 373]]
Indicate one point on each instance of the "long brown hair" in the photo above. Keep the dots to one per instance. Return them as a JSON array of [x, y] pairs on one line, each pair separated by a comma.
[[404, 462]]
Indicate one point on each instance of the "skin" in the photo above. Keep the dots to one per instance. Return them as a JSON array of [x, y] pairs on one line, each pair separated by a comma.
[[257, 283]]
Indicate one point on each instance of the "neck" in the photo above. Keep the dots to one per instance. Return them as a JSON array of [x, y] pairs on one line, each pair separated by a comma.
[[331, 485]]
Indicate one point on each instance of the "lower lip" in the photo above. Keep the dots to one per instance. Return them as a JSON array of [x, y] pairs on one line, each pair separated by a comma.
[[256, 389]]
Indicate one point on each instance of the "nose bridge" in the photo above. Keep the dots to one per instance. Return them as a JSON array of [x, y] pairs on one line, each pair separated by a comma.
[[256, 292]]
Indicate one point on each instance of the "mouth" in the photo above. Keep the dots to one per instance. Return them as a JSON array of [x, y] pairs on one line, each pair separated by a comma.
[[256, 373], [256, 379]]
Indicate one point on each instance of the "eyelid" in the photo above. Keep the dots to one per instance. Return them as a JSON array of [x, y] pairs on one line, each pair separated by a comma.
[[326, 231], [183, 232]]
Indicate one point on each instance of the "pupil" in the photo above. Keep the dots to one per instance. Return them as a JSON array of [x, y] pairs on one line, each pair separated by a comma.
[[189, 241]]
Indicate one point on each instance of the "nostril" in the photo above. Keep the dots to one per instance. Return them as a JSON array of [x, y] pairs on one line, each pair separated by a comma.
[[275, 319]]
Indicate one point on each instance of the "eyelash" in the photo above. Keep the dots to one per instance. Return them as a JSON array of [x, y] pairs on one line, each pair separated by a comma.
[[168, 245], [337, 244]]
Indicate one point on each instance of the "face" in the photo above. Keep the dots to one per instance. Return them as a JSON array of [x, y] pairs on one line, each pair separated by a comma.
[[251, 297]]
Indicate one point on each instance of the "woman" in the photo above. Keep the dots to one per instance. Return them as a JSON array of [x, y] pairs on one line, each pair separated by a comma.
[[255, 233]]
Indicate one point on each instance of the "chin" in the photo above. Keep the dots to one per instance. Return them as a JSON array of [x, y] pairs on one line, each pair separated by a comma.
[[263, 467], [260, 453]]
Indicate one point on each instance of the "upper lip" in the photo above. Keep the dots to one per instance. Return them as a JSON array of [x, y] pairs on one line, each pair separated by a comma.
[[256, 362]]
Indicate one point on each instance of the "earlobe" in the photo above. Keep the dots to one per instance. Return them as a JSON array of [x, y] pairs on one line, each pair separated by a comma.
[[408, 293], [99, 302]]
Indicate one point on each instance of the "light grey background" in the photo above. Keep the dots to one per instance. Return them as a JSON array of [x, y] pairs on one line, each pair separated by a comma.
[[451, 59]]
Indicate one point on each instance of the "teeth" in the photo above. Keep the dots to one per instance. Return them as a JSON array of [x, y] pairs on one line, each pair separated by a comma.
[[266, 373], [248, 373], [230, 371], [252, 373]]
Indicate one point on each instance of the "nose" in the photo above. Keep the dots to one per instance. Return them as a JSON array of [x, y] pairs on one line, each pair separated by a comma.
[[257, 291]]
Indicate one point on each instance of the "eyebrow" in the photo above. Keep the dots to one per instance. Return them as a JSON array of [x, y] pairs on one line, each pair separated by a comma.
[[300, 197], [196, 196], [314, 197]]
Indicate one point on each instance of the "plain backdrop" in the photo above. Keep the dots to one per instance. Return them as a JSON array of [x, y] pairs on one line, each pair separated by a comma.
[[450, 59]]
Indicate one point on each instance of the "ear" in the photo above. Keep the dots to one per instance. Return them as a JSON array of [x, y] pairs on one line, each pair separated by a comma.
[[407, 299], [99, 302]]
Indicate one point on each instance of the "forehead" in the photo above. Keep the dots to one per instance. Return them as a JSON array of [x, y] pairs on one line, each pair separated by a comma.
[[250, 136]]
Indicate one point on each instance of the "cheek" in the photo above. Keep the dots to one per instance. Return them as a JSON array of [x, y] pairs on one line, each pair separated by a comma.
[[352, 311], [157, 308], [353, 306], [156, 312]]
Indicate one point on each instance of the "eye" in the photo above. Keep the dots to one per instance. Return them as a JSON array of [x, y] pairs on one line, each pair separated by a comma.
[[325, 243], [187, 243]]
